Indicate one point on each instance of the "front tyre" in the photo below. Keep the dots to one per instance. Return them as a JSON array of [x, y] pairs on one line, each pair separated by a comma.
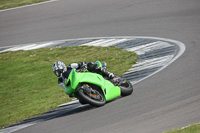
[[92, 96]]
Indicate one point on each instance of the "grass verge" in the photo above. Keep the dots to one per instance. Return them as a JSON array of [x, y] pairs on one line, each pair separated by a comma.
[[5, 4], [190, 129], [28, 87]]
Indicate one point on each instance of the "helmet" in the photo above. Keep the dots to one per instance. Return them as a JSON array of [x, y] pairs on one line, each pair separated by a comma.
[[58, 68]]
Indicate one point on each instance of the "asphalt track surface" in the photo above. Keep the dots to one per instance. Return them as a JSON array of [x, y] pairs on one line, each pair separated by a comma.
[[169, 99]]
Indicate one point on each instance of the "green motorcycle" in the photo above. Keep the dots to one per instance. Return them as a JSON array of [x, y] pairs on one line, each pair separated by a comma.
[[94, 89]]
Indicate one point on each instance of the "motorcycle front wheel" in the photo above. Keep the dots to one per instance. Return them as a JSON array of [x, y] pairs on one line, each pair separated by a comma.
[[91, 95]]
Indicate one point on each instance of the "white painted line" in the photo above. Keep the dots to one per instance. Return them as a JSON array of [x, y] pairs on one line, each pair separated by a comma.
[[142, 46], [93, 42], [20, 47], [115, 42], [38, 46], [105, 42], [28, 5], [99, 42], [28, 47], [69, 103], [149, 47], [16, 128]]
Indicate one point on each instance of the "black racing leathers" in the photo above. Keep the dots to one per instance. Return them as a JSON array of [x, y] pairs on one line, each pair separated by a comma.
[[93, 67]]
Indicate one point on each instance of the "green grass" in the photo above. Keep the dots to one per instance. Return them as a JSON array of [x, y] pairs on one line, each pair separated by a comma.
[[191, 129], [28, 87], [5, 4]]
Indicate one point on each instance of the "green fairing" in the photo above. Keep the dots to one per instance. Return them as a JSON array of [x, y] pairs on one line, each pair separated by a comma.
[[75, 79]]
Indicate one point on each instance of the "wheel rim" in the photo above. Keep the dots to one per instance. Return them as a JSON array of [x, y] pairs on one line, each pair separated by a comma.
[[95, 95]]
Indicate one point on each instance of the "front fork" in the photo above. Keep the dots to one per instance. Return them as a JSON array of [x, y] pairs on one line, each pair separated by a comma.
[[90, 92]]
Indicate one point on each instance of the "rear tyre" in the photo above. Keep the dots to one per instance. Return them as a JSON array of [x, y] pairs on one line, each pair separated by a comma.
[[93, 96], [126, 88]]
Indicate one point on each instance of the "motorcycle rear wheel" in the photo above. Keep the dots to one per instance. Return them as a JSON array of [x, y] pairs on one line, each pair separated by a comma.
[[126, 88]]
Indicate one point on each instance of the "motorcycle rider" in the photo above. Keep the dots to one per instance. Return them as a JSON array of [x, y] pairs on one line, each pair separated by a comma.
[[62, 71]]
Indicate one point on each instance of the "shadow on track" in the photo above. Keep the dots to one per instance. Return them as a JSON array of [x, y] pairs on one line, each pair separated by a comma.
[[66, 110], [56, 113]]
